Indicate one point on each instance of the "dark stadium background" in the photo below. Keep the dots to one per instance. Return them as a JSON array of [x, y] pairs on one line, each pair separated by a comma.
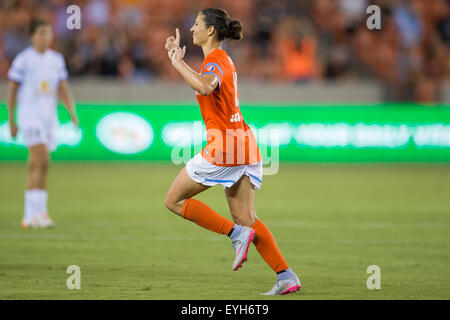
[[347, 195]]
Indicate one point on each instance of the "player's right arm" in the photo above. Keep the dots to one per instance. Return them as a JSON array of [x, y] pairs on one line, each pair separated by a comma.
[[11, 97], [15, 77], [204, 84]]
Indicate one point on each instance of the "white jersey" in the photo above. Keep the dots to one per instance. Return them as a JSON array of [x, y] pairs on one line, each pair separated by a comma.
[[39, 76]]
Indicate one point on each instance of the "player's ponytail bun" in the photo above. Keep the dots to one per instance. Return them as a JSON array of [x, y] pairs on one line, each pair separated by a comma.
[[235, 30], [222, 23]]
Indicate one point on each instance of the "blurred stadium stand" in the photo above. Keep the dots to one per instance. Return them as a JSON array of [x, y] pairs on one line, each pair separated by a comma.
[[92, 89], [309, 50]]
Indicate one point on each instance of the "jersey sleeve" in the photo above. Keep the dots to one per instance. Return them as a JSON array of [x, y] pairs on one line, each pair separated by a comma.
[[214, 66], [63, 74], [17, 71]]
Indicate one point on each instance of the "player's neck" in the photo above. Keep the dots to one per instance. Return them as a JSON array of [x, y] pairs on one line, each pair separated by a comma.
[[40, 50], [210, 47]]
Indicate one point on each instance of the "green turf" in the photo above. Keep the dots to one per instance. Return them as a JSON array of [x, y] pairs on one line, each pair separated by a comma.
[[331, 222]]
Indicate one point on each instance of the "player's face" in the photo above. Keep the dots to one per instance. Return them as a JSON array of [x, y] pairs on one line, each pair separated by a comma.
[[199, 30], [42, 37]]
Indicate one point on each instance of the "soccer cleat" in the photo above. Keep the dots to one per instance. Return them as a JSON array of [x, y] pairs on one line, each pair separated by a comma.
[[30, 223], [44, 221], [284, 286], [240, 246]]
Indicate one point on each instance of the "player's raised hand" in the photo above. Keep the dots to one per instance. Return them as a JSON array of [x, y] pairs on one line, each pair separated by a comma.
[[170, 43], [173, 42], [177, 37], [176, 54]]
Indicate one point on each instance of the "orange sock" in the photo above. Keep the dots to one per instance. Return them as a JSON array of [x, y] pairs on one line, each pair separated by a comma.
[[205, 217], [267, 248]]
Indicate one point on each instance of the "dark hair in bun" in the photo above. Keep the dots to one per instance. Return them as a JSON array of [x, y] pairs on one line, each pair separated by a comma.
[[221, 21], [35, 24]]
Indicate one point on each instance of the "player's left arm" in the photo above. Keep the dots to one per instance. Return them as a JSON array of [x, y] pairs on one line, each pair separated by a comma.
[[11, 98], [65, 95], [64, 92]]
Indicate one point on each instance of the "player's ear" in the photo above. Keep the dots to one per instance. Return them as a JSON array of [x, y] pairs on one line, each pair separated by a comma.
[[211, 30]]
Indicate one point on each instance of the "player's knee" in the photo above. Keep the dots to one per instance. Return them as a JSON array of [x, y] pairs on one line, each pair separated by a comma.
[[43, 166], [172, 204], [40, 165], [33, 165], [168, 202], [38, 161]]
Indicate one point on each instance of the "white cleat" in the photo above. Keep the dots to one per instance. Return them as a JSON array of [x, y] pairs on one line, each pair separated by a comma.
[[240, 246], [30, 223], [284, 286], [44, 221]]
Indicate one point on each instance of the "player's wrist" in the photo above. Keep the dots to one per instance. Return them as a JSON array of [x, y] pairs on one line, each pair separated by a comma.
[[177, 63]]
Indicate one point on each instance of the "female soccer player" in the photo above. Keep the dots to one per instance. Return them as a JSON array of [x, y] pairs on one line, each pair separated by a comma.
[[36, 78], [231, 157]]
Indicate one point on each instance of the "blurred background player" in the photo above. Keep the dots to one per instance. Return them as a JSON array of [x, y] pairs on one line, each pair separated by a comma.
[[217, 94], [37, 77]]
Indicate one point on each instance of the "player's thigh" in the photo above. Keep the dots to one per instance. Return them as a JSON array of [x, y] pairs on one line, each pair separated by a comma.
[[182, 188], [241, 201], [36, 137], [38, 155]]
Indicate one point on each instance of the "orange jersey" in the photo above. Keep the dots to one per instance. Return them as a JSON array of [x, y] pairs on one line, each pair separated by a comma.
[[230, 140]]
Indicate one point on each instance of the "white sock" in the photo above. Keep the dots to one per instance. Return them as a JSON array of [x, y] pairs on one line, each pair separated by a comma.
[[28, 212], [41, 200], [35, 202]]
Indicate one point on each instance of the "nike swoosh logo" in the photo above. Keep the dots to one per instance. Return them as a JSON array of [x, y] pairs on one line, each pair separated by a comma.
[[290, 285]]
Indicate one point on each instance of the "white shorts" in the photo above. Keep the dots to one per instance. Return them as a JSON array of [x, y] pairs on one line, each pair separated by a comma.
[[38, 133], [201, 171]]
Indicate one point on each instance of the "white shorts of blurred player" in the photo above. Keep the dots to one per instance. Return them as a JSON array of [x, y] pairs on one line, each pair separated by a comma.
[[201, 171], [38, 133]]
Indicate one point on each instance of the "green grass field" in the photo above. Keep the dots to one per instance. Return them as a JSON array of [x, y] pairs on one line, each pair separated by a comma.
[[330, 221]]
